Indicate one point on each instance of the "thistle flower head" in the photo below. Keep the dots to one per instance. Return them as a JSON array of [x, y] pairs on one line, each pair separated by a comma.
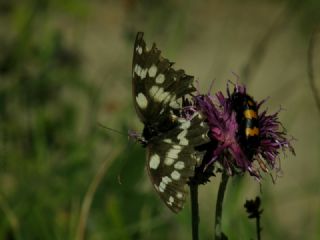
[[245, 139]]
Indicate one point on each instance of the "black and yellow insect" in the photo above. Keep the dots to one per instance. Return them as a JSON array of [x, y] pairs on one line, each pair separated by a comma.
[[248, 121]]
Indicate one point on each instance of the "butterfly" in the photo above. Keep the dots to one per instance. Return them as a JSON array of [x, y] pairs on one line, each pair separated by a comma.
[[169, 137]]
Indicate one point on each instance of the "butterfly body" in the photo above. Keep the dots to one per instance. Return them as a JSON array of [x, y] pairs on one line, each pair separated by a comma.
[[169, 137]]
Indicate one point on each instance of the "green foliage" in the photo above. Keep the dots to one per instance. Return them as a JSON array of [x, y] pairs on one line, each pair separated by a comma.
[[51, 100]]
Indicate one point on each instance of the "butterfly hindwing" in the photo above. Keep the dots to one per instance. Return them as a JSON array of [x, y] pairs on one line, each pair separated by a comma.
[[171, 159]]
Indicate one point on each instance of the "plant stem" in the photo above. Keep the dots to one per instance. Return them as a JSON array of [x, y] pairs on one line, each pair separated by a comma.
[[218, 217], [88, 198], [258, 228], [194, 211], [311, 66]]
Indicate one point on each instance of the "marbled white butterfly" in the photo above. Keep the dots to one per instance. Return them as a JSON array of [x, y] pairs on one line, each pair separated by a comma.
[[168, 137]]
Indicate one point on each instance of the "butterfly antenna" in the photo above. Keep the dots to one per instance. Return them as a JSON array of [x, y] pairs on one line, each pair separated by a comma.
[[111, 129], [122, 134], [123, 163]]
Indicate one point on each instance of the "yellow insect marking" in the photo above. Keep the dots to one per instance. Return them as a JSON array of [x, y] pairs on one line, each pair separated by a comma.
[[252, 131], [250, 103], [249, 114]]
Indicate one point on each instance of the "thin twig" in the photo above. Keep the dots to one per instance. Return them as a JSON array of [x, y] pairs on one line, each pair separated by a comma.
[[310, 63], [218, 217], [194, 211], [87, 201]]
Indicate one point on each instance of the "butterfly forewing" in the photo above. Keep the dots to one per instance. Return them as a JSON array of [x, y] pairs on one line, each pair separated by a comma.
[[157, 87]]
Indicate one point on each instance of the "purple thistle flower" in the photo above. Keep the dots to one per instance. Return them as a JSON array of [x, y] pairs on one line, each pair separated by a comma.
[[243, 139]]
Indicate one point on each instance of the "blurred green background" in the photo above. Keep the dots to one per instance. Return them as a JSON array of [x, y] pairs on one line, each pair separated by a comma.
[[66, 65]]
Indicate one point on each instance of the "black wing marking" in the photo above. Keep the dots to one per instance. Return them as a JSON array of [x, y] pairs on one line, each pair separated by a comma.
[[157, 87], [157, 91], [171, 159]]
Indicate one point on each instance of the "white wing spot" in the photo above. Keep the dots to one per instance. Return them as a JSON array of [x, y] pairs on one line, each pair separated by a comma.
[[174, 105], [182, 134], [142, 101], [177, 147], [173, 153], [139, 50], [175, 175], [160, 78], [182, 137], [179, 165], [153, 70], [163, 184], [161, 95], [167, 140], [168, 161], [166, 180], [166, 97], [162, 187], [154, 161], [170, 201], [137, 69], [185, 125], [143, 73], [153, 90], [179, 195], [184, 142]]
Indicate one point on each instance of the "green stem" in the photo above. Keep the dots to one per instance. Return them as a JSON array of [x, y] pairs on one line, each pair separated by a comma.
[[194, 211], [311, 66], [218, 217], [258, 228]]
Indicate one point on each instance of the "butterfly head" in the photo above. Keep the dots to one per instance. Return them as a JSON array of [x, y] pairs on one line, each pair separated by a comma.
[[137, 138]]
